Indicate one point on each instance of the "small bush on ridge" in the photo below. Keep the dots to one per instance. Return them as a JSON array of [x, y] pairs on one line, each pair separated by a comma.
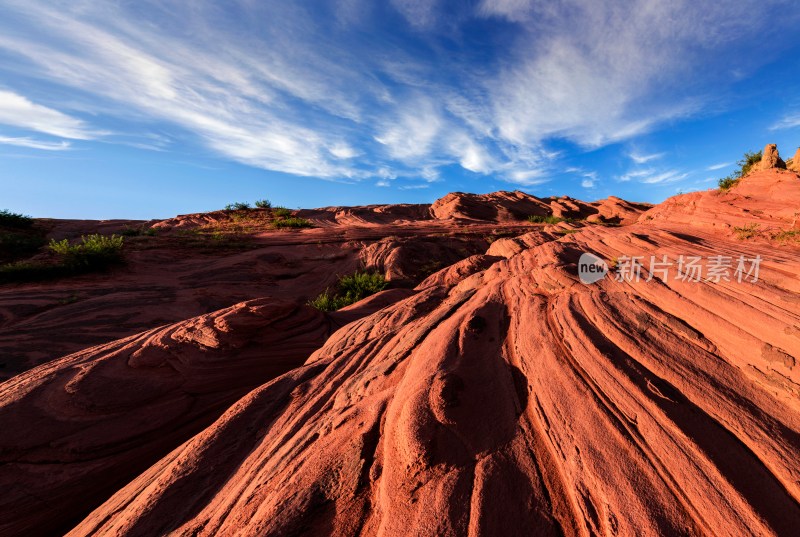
[[263, 204], [9, 219], [292, 223], [746, 164], [94, 252], [349, 290], [238, 206], [547, 219]]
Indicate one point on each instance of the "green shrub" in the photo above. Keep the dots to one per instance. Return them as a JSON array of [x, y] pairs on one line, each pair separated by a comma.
[[292, 223], [263, 204], [29, 271], [790, 235], [746, 164], [17, 220], [547, 219], [349, 290], [328, 301], [728, 182], [94, 252], [15, 245], [361, 285], [748, 161], [138, 231], [238, 206], [746, 232], [281, 212]]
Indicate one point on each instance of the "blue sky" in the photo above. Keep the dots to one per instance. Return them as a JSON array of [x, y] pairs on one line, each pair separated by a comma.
[[141, 109]]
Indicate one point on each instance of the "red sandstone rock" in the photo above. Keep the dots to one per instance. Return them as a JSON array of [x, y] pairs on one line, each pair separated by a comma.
[[500, 396], [78, 428], [770, 159], [794, 162]]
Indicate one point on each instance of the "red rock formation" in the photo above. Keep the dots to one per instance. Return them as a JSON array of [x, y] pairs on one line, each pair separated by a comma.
[[506, 397], [770, 159], [515, 206], [501, 396], [767, 200], [78, 428], [794, 162], [411, 259]]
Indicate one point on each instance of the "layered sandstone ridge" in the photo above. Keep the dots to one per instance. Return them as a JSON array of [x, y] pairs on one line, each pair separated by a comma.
[[512, 399], [497, 396], [496, 207]]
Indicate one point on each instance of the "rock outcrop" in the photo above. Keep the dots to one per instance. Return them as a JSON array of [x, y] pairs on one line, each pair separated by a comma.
[[767, 201], [794, 162], [770, 159], [78, 428]]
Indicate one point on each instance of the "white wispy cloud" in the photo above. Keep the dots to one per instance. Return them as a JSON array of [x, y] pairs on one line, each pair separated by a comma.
[[18, 111], [31, 143], [412, 133], [299, 94], [651, 176], [589, 177], [644, 159], [599, 72], [719, 166], [789, 122]]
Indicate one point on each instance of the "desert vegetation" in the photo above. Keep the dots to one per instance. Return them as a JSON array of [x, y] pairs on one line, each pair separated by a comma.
[[19, 237], [15, 220], [237, 206], [349, 290], [745, 165], [746, 232], [791, 235], [140, 231], [546, 219], [93, 253], [291, 222]]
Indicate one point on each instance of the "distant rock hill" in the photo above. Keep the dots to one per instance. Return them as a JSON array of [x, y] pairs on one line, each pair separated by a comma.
[[497, 207]]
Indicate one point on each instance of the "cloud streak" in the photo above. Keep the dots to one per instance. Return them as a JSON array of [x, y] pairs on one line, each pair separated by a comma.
[[18, 111], [31, 143]]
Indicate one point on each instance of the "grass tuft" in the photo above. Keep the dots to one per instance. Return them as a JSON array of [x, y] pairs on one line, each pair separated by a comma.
[[546, 219], [746, 232], [292, 222], [349, 290], [790, 235]]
